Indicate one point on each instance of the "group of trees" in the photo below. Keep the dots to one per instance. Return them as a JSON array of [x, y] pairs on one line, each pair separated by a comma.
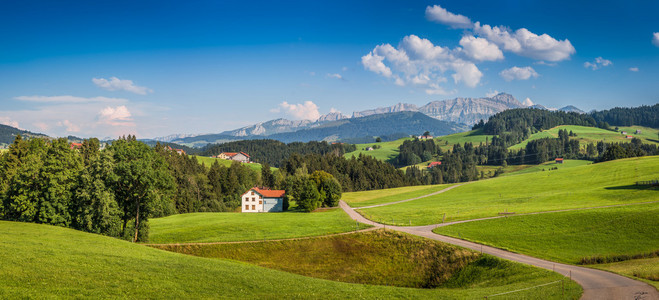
[[612, 151], [622, 116], [111, 192], [275, 152], [320, 189], [458, 165], [416, 151]]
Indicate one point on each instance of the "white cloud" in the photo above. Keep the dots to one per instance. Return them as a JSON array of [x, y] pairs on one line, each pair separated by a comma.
[[527, 102], [598, 63], [9, 122], [307, 110], [68, 99], [119, 113], [335, 75], [439, 14], [419, 62], [517, 73], [480, 49], [526, 43], [655, 39], [70, 127], [634, 69], [334, 110], [435, 89], [491, 93], [116, 84]]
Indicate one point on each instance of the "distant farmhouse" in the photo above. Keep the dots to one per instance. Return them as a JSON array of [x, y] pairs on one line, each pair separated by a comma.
[[425, 137], [434, 164], [263, 200], [76, 145], [638, 131], [629, 137], [179, 151], [237, 156], [624, 132], [559, 160]]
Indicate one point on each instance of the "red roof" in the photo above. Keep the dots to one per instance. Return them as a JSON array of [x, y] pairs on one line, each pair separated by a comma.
[[230, 154], [434, 164], [76, 145], [268, 193], [559, 159], [243, 153]]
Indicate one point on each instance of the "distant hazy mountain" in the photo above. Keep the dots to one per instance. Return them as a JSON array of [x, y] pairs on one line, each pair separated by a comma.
[[8, 134], [571, 108], [269, 127], [458, 110], [172, 137]]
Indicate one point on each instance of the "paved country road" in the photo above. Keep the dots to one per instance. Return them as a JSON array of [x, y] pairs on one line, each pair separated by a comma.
[[596, 284]]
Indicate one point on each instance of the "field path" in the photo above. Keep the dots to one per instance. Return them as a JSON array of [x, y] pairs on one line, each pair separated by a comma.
[[416, 198], [596, 284]]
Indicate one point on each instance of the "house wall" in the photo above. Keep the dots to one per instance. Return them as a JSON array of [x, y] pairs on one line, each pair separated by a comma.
[[273, 204], [240, 158], [251, 202]]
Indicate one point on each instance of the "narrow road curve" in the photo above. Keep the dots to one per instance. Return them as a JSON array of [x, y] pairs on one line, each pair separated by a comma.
[[596, 284]]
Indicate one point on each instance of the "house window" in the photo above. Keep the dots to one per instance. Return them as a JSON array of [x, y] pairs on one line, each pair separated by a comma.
[[253, 199], [246, 207], [260, 202], [253, 207], [252, 193]]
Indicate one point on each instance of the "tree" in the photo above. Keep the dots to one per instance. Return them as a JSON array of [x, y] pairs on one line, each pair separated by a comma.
[[143, 186], [309, 199], [267, 178], [328, 188], [427, 133], [378, 140]]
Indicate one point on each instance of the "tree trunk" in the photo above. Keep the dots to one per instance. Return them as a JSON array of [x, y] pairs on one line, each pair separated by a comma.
[[137, 223]]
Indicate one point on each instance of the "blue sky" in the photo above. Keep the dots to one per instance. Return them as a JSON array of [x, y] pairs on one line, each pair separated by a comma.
[[154, 68]]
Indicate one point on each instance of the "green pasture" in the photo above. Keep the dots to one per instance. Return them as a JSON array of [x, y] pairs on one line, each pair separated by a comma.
[[646, 269], [587, 135], [209, 161], [571, 235], [547, 166], [367, 198], [388, 150], [223, 227], [591, 185], [41, 261], [475, 136]]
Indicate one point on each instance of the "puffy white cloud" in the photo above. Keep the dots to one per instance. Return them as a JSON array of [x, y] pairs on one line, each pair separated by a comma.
[[9, 122], [307, 110], [517, 73], [598, 63], [70, 127], [119, 113], [480, 49], [527, 102], [116, 84], [655, 39], [439, 14], [419, 62], [526, 43], [634, 69], [335, 75], [491, 93], [68, 99]]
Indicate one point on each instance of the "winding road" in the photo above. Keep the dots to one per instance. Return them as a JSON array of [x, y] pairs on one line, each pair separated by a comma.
[[596, 284]]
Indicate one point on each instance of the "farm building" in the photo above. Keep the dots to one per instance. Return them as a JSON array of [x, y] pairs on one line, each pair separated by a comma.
[[179, 151], [629, 137], [425, 137], [559, 160], [624, 132], [434, 164], [263, 200], [369, 149], [237, 156], [638, 131], [76, 145]]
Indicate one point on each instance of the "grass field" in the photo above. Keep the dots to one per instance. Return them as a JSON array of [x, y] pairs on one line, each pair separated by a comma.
[[583, 186], [387, 151], [366, 198], [375, 257], [643, 269], [41, 261], [223, 227], [547, 166], [208, 161], [569, 236], [587, 135], [475, 136]]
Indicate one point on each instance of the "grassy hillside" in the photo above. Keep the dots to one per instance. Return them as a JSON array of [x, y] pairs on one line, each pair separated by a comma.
[[209, 161], [587, 135], [366, 198], [375, 257], [642, 269], [40, 261], [223, 227], [387, 151], [475, 136], [547, 166], [583, 186], [569, 236]]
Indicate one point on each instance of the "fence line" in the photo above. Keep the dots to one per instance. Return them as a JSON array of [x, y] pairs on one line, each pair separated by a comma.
[[528, 288]]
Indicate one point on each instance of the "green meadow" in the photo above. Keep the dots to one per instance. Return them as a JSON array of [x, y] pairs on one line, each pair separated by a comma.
[[547, 166], [224, 227], [375, 257], [569, 236], [387, 150], [587, 135], [475, 136], [366, 198], [591, 185], [41, 261], [646, 269], [209, 161]]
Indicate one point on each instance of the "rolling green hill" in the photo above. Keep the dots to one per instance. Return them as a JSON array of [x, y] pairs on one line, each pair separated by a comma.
[[41, 261], [586, 135], [606, 183], [209, 161], [387, 150]]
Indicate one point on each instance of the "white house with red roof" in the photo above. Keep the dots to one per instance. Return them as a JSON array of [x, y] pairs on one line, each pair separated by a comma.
[[237, 156], [263, 200]]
